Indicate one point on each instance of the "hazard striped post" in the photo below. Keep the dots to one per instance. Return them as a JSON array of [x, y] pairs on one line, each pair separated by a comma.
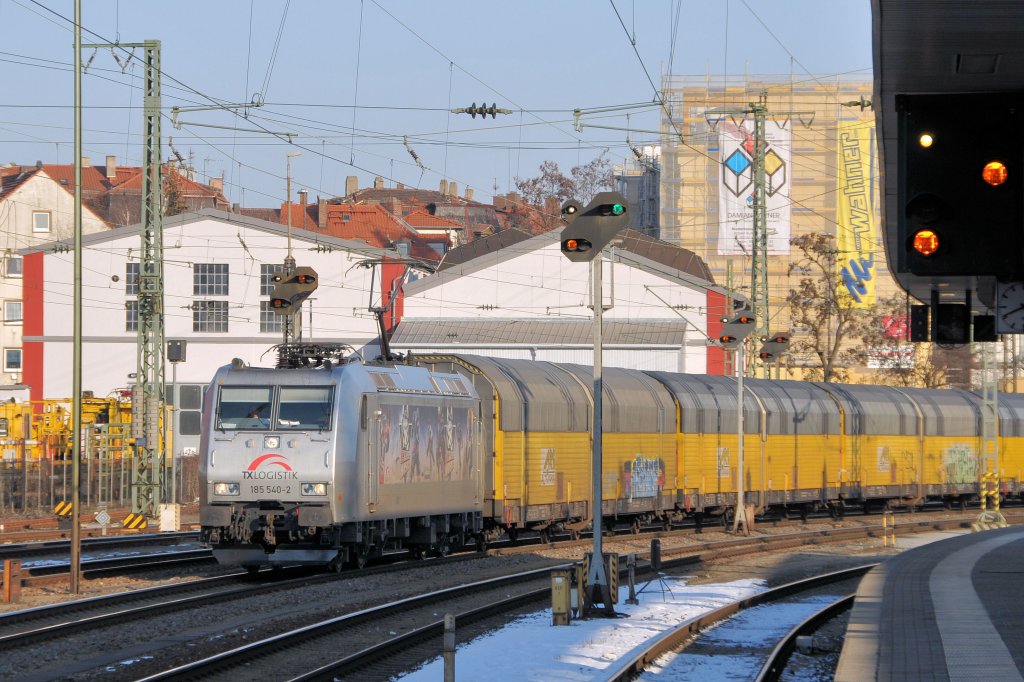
[[888, 529], [134, 522]]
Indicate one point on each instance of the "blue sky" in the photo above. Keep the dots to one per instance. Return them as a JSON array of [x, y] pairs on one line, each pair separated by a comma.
[[388, 69]]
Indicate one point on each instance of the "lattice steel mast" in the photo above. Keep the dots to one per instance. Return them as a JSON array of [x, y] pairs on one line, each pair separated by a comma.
[[759, 237]]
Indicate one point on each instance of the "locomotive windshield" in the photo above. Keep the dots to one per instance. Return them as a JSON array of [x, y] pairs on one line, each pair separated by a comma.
[[244, 407], [305, 407]]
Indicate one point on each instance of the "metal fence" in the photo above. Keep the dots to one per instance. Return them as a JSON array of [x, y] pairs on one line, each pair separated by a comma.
[[34, 487]]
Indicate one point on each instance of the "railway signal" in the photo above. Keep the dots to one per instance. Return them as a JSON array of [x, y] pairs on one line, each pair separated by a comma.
[[774, 346], [591, 228], [736, 329], [961, 185], [292, 289]]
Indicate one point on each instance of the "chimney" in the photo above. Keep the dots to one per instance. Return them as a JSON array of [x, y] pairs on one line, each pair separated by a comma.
[[217, 184], [111, 167], [395, 207], [39, 165], [499, 202], [399, 186], [453, 189], [235, 208], [469, 194], [86, 162], [321, 212], [352, 185], [443, 188], [378, 182], [303, 196]]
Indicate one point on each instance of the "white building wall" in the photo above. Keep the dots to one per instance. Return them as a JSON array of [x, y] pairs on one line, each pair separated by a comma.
[[543, 284], [37, 194], [335, 312]]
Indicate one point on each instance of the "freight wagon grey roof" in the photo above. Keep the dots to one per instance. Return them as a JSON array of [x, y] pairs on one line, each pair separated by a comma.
[[446, 333], [708, 403], [947, 412], [796, 407], [632, 402], [874, 410], [1011, 414], [534, 395]]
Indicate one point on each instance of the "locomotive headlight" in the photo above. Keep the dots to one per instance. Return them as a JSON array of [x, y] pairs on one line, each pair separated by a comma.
[[225, 488], [272, 442], [314, 488]]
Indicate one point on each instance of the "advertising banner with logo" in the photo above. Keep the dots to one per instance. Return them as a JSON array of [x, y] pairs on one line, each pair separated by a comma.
[[856, 204], [736, 187]]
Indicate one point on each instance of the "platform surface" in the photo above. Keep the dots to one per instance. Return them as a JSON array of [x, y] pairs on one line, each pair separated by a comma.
[[947, 610]]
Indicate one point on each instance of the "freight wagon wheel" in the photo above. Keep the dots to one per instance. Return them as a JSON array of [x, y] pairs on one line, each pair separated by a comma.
[[545, 536], [574, 535], [416, 551], [513, 534], [443, 547], [635, 527]]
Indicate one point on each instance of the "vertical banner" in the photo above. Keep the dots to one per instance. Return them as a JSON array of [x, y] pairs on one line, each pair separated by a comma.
[[855, 211], [736, 189]]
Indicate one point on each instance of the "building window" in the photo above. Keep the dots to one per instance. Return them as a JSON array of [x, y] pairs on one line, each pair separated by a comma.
[[269, 320], [210, 279], [12, 359], [131, 316], [210, 316], [40, 221], [131, 278], [12, 312], [267, 273], [13, 266]]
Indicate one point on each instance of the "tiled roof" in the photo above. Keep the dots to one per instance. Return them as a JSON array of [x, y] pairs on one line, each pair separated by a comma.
[[479, 247], [422, 218], [375, 226], [665, 253], [13, 178]]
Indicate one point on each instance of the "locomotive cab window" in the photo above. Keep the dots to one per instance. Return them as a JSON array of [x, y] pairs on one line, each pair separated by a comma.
[[244, 407], [305, 407]]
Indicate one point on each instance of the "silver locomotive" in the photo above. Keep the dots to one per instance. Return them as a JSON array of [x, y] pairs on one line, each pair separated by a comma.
[[338, 462]]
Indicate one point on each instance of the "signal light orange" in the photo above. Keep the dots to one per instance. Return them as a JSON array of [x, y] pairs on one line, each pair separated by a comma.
[[725, 338], [926, 242], [994, 173]]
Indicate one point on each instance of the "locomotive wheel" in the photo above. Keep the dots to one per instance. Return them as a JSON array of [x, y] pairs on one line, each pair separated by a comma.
[[481, 543]]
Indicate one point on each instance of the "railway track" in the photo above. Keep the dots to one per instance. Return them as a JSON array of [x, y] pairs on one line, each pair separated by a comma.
[[380, 639], [731, 635]]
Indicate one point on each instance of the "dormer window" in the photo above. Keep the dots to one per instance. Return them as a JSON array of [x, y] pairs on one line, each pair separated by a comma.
[[346, 217]]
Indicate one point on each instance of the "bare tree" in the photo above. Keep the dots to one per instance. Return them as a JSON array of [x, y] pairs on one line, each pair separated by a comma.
[[582, 183], [825, 312]]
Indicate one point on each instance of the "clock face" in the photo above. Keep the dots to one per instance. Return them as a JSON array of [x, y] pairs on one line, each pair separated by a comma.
[[1010, 308]]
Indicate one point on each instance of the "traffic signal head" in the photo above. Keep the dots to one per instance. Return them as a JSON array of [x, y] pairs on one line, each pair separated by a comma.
[[961, 185], [292, 289], [592, 227], [736, 328]]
